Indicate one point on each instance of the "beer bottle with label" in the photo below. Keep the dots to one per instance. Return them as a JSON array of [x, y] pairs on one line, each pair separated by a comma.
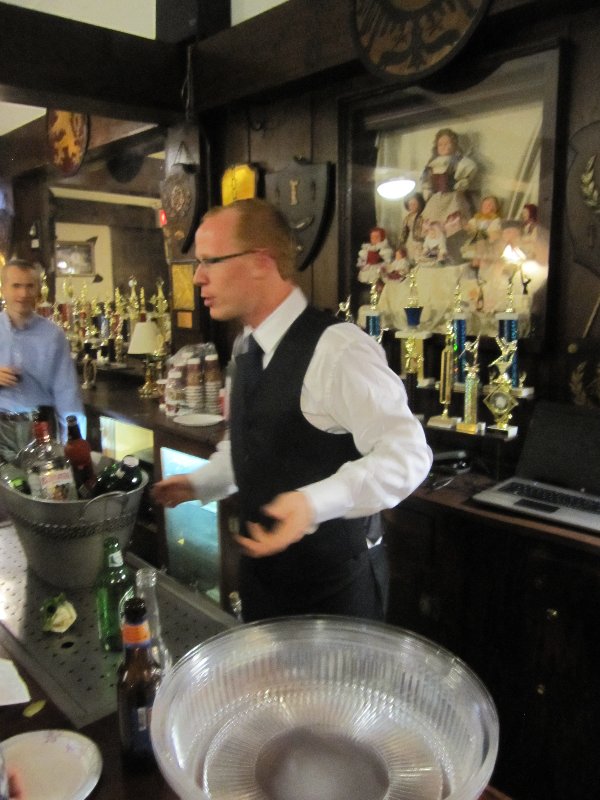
[[113, 587], [138, 678], [79, 453]]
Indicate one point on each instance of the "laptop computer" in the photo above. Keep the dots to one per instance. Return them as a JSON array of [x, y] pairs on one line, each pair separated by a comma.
[[557, 477]]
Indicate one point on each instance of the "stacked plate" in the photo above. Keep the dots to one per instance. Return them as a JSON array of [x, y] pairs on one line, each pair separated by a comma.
[[323, 708]]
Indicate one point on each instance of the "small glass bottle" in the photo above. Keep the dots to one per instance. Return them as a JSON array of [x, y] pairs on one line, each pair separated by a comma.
[[145, 587], [79, 453], [138, 678], [48, 471], [114, 585]]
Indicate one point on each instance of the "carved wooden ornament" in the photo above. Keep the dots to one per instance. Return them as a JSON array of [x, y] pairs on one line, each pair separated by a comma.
[[410, 39]]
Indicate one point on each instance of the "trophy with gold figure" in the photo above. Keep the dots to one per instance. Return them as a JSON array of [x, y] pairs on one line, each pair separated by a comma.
[[412, 364], [44, 307], [470, 423], [444, 420], [163, 320], [500, 400]]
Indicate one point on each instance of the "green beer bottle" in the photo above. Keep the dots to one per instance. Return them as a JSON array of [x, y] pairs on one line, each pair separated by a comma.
[[115, 584]]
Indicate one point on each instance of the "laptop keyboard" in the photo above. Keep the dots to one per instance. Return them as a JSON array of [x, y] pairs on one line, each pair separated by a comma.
[[545, 495]]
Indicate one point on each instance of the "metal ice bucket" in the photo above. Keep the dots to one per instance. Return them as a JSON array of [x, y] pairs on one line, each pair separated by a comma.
[[63, 540]]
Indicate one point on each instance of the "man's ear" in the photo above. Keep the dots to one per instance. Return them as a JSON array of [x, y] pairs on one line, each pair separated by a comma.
[[265, 264]]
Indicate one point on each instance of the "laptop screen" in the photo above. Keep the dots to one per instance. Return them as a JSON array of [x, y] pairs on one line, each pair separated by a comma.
[[562, 447]]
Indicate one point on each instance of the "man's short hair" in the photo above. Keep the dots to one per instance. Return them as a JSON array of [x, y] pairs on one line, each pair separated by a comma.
[[260, 225], [24, 264]]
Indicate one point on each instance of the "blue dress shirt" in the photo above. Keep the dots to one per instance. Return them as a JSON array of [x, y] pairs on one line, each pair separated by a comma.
[[48, 375]]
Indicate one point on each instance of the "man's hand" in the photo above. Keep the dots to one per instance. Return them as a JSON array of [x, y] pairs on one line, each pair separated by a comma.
[[172, 491], [294, 518], [8, 376]]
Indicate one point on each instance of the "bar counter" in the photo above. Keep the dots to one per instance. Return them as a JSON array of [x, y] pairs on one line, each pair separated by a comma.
[[118, 398], [116, 782]]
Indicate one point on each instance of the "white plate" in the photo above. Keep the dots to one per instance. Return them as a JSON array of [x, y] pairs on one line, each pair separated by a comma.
[[198, 419], [54, 764]]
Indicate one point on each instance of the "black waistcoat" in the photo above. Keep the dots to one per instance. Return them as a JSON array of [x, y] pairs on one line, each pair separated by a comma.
[[275, 449]]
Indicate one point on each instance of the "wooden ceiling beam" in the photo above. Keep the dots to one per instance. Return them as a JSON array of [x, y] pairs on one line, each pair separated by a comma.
[[53, 62]]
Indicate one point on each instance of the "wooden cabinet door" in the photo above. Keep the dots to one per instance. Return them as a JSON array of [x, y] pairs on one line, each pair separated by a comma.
[[552, 726]]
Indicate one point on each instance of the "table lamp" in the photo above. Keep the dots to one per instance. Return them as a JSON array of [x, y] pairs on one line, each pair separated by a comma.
[[144, 342]]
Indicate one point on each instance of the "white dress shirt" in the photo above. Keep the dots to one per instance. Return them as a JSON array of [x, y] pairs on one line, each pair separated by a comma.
[[348, 387]]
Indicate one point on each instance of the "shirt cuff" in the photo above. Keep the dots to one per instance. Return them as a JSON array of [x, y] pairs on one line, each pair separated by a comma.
[[326, 501]]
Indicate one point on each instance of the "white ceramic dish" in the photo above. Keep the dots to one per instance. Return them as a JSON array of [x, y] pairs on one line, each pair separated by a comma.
[[198, 420], [54, 764]]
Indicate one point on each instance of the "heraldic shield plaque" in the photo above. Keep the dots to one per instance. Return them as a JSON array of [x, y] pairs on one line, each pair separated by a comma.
[[303, 193]]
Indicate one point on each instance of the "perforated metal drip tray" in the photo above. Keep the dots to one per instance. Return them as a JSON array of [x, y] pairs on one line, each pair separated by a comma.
[[71, 667]]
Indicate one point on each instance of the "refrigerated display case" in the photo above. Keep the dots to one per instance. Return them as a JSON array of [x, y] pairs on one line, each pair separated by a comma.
[[192, 532]]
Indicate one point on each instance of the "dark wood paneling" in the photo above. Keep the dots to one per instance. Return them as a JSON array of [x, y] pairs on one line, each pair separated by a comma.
[[53, 62]]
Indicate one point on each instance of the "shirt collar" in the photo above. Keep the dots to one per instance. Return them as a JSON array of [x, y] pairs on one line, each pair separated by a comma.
[[29, 323], [271, 330]]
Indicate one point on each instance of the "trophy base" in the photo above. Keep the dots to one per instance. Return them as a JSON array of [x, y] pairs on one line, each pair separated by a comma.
[[506, 432], [425, 383], [472, 428], [440, 421]]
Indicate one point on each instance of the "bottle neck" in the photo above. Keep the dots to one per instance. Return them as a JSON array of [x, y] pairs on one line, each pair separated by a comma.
[[114, 559], [41, 431]]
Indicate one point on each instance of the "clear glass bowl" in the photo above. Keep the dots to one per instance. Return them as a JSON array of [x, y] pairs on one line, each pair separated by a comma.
[[323, 708]]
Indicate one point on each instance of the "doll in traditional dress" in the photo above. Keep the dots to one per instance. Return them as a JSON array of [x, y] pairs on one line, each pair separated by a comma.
[[435, 249], [412, 226], [373, 255], [394, 295], [445, 180], [484, 229]]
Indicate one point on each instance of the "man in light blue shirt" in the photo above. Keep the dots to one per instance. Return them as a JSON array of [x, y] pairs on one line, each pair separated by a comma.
[[36, 368]]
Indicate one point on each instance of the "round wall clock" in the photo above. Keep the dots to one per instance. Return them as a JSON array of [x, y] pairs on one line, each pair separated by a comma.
[[68, 134], [410, 39]]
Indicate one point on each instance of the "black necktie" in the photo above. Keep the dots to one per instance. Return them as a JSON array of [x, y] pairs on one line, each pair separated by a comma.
[[253, 366]]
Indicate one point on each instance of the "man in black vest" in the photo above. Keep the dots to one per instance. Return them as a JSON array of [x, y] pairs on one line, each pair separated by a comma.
[[322, 438]]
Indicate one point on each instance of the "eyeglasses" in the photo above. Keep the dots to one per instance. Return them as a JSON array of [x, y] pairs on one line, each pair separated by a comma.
[[209, 262]]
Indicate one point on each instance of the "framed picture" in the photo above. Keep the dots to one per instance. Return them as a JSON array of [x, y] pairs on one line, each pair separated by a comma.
[[472, 234], [75, 258]]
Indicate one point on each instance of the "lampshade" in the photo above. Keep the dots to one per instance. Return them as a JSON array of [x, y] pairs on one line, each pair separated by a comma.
[[395, 188], [144, 340]]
